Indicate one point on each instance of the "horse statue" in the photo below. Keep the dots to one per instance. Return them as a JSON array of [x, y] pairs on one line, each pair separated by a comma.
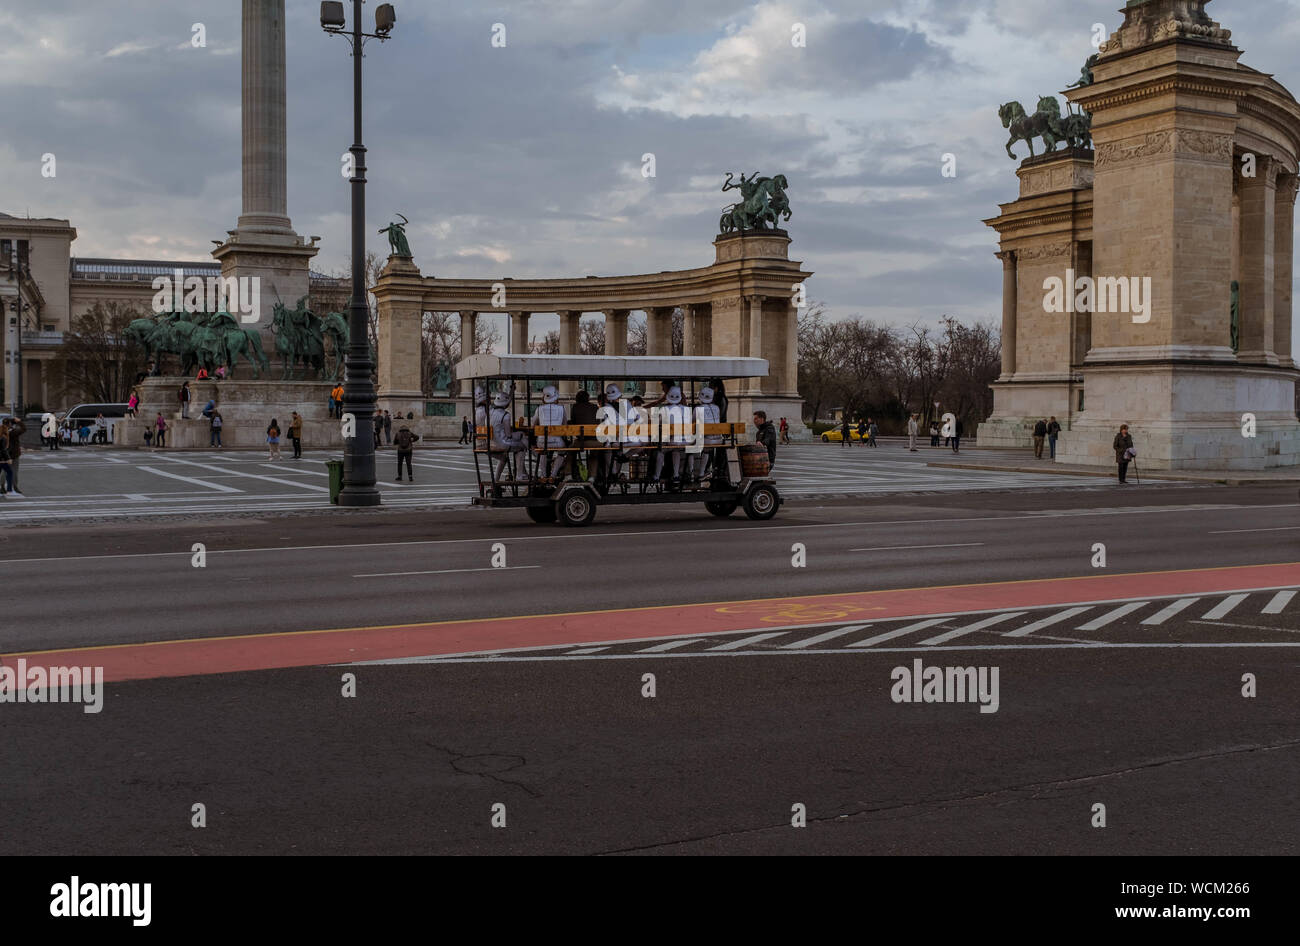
[[335, 327], [144, 332], [298, 336], [1026, 127], [1074, 129], [762, 199]]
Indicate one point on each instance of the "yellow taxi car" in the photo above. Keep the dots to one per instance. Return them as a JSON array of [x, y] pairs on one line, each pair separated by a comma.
[[836, 435]]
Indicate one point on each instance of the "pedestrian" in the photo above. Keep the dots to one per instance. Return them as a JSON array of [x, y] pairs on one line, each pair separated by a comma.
[[1053, 431], [160, 438], [911, 433], [864, 431], [202, 375], [934, 433], [388, 427], [221, 373], [765, 433], [273, 439], [844, 429], [379, 428], [785, 431], [1124, 452], [405, 446], [956, 435], [132, 403], [215, 439], [336, 396], [1040, 434], [209, 408], [872, 430], [184, 396], [295, 433], [12, 431], [6, 463], [465, 430]]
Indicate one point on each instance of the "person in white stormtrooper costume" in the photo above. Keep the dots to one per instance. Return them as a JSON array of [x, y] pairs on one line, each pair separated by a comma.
[[674, 414], [619, 407], [505, 438], [551, 414], [481, 419], [706, 413]]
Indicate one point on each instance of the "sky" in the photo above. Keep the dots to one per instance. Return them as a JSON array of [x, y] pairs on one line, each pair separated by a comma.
[[526, 160]]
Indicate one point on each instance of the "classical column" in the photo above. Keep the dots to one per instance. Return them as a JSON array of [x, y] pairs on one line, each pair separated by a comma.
[[1283, 260], [468, 324], [265, 191], [570, 343], [615, 331], [754, 349], [790, 383], [690, 319], [1008, 258], [1258, 226], [519, 332], [659, 330]]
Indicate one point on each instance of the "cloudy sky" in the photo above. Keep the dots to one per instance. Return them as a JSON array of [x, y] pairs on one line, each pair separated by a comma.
[[526, 160]]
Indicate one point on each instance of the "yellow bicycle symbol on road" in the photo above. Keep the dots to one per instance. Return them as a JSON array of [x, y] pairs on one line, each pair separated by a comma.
[[795, 612]]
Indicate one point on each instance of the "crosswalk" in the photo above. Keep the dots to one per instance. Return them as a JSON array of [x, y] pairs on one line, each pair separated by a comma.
[[1260, 617]]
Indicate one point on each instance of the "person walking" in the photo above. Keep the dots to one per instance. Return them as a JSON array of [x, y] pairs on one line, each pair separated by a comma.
[[956, 435], [785, 431], [844, 429], [12, 430], [388, 427], [295, 433], [765, 433], [465, 430], [912, 429], [379, 428], [934, 433], [863, 431], [872, 429], [160, 438], [1053, 431], [6, 463], [273, 439], [1040, 434], [405, 447], [184, 396], [1124, 452], [215, 439]]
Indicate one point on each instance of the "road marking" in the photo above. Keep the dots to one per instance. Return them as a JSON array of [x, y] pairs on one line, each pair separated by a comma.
[[449, 571], [1278, 602], [746, 641], [971, 628], [819, 638], [142, 498], [898, 632], [670, 645], [891, 548], [1110, 616], [1045, 622], [1273, 529], [56, 466], [219, 487], [1223, 607], [1169, 610], [587, 650], [255, 476]]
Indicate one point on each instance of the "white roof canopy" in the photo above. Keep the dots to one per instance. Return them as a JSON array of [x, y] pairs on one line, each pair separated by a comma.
[[574, 367]]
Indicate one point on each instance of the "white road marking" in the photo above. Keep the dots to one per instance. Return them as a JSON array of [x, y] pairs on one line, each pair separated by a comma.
[[220, 488], [971, 628], [1169, 610], [670, 645], [449, 571], [1221, 609], [587, 650], [898, 632], [746, 641], [893, 548], [255, 476], [820, 638], [1045, 622], [1109, 616], [1278, 602], [1272, 529]]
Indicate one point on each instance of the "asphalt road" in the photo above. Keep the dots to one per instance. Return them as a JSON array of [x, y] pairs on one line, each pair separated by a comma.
[[1146, 719]]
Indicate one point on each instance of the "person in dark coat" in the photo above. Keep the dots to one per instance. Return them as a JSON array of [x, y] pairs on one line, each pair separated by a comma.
[[844, 430], [766, 434], [1124, 452]]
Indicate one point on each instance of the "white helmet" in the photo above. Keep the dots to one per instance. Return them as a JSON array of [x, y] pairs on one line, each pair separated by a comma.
[[502, 399], [674, 395], [706, 395], [480, 395], [613, 392], [550, 394]]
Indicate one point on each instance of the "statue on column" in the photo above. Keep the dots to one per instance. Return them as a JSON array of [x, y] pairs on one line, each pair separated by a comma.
[[397, 238]]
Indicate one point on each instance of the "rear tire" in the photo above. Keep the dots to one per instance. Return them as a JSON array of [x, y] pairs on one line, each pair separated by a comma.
[[577, 508], [762, 502], [825, 439], [721, 509], [543, 515]]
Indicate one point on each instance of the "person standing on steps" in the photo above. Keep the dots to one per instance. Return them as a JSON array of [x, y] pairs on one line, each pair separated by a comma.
[[160, 438], [215, 439], [183, 395], [295, 433]]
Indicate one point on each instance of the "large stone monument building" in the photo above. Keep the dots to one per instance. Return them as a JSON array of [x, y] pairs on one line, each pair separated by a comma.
[[1181, 218]]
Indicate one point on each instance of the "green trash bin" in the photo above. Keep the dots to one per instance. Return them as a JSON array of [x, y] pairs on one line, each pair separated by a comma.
[[336, 479]]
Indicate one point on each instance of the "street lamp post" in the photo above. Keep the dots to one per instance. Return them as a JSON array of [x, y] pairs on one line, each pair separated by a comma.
[[359, 478]]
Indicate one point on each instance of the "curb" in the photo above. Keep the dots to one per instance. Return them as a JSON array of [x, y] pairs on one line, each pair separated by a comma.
[[1164, 475]]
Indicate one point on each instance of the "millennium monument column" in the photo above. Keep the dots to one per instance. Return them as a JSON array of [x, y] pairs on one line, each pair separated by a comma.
[[263, 243]]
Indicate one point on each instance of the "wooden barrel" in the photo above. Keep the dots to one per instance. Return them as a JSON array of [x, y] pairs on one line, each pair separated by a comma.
[[754, 461]]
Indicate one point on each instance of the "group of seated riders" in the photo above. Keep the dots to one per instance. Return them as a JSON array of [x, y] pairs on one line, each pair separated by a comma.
[[623, 438]]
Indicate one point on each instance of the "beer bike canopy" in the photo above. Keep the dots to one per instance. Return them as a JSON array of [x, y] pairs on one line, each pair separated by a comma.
[[631, 367]]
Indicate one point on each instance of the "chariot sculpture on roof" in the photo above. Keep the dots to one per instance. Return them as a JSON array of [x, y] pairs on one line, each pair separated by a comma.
[[763, 202]]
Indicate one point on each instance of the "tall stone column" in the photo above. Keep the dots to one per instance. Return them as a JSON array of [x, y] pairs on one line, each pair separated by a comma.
[[1009, 290], [659, 330], [790, 381], [519, 332], [1283, 266], [468, 325], [1258, 228], [570, 342], [616, 331], [690, 341], [754, 347], [399, 294]]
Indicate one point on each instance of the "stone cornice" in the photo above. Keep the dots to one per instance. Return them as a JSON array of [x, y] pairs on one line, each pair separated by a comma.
[[1151, 88]]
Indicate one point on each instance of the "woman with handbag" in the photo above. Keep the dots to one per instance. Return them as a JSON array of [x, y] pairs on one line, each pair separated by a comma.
[[1124, 452], [273, 438]]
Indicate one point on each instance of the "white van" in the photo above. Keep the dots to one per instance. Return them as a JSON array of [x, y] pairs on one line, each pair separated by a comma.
[[86, 414]]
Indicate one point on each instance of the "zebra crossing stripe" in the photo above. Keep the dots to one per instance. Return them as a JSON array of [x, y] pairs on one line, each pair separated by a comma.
[[746, 641], [587, 650], [1221, 609], [1045, 622], [1098, 623], [1169, 610], [898, 632], [971, 628], [838, 632], [660, 648], [1278, 602]]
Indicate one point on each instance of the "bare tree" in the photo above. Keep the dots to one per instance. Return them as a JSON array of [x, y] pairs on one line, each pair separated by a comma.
[[549, 344], [97, 362], [638, 335], [591, 337]]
